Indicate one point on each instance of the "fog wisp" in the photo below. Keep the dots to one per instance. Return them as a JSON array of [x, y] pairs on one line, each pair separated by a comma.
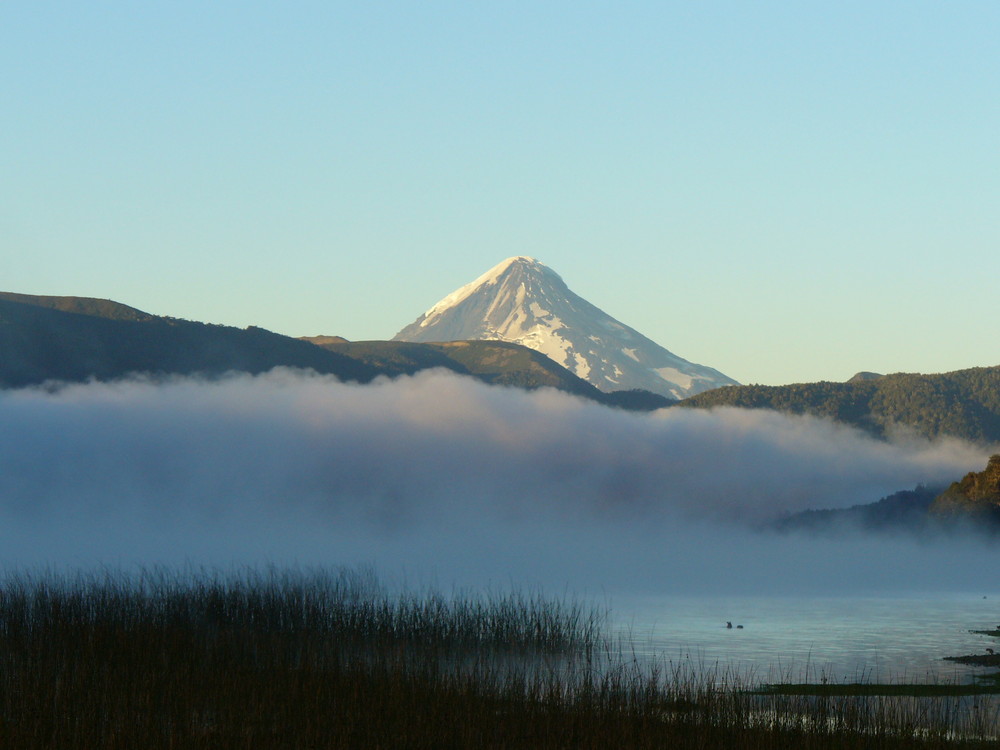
[[444, 476]]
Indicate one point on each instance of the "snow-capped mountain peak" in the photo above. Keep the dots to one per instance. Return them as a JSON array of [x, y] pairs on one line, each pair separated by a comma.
[[490, 277], [526, 302]]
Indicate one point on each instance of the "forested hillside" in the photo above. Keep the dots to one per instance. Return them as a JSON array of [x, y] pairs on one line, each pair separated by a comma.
[[74, 339], [976, 494], [964, 404]]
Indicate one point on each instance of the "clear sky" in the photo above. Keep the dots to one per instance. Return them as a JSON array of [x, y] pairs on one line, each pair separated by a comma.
[[786, 191]]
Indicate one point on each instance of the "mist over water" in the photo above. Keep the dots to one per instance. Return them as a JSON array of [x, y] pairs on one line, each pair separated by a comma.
[[442, 478]]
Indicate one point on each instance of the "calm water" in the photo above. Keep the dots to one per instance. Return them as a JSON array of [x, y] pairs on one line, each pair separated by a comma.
[[874, 639]]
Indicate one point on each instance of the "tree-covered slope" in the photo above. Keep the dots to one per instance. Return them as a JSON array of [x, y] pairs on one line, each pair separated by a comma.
[[970, 504], [964, 404], [977, 494], [103, 340], [906, 510]]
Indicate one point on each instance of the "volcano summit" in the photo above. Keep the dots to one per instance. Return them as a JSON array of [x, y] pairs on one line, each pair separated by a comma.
[[526, 302]]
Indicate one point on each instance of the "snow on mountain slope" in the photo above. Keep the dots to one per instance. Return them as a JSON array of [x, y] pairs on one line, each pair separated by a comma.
[[526, 302]]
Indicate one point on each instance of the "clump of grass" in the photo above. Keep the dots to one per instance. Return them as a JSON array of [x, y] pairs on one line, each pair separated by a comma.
[[321, 659]]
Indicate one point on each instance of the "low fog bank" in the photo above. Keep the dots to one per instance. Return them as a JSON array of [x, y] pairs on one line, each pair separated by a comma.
[[440, 476]]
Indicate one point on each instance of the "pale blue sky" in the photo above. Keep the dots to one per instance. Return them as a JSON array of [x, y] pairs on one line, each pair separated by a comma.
[[786, 191]]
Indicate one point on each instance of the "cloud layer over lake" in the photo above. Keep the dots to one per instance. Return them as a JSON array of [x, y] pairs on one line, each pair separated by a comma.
[[442, 475]]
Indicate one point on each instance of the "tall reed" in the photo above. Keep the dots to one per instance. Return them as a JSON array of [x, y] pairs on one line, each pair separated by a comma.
[[268, 658]]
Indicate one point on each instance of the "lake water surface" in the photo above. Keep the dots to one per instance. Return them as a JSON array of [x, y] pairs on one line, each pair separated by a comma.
[[841, 639]]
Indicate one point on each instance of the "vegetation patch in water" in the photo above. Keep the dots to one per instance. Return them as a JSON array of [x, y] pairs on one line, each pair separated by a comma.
[[918, 690]]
